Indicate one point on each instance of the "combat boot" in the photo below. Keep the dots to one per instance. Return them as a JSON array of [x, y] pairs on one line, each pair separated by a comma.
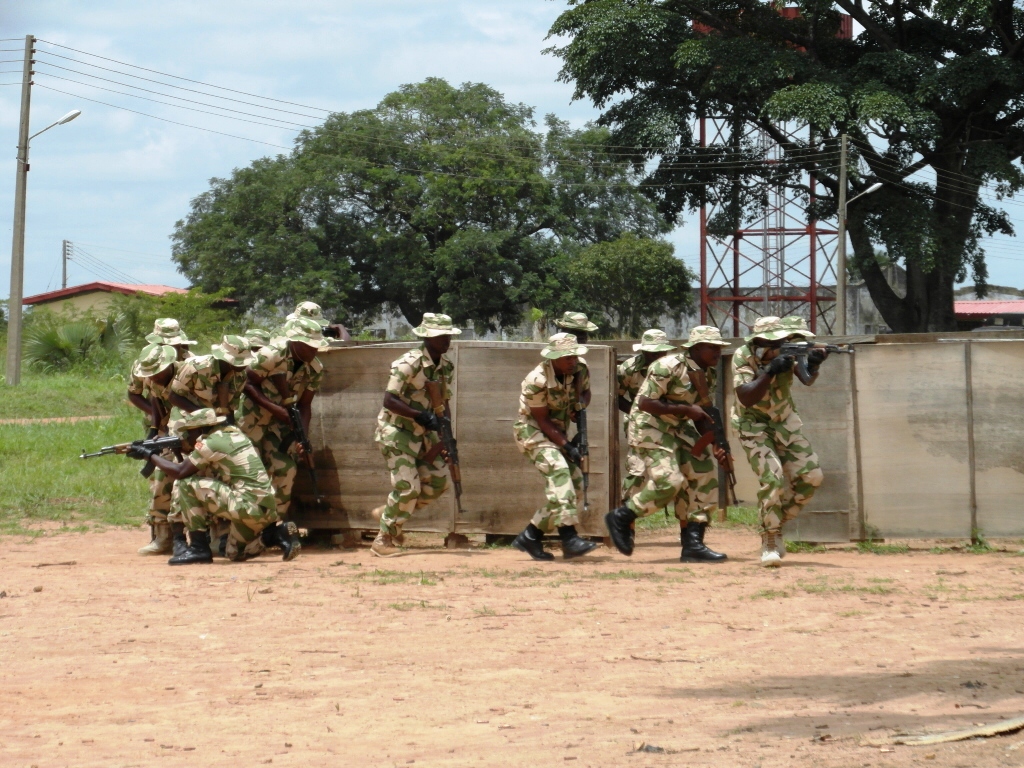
[[694, 549], [198, 550], [398, 538], [178, 541], [161, 543], [572, 544], [384, 546], [620, 527], [531, 541], [780, 545], [769, 554]]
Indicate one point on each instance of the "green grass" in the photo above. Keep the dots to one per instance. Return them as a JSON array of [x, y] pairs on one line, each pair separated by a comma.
[[41, 397], [874, 548], [804, 546], [742, 516], [769, 594]]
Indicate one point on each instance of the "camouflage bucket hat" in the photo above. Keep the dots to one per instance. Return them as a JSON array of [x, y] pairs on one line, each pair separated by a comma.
[[311, 310], [169, 331], [705, 334], [563, 345], [257, 338], [233, 350], [154, 359], [305, 331], [796, 326], [768, 328], [435, 325], [202, 417], [575, 321], [653, 340]]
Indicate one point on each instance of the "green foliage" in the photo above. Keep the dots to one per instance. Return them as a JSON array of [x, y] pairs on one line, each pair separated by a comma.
[[53, 344], [930, 95], [201, 315], [438, 199], [876, 548]]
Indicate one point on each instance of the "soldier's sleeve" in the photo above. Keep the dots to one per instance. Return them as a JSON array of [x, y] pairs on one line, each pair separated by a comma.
[[622, 374], [744, 367], [204, 454], [136, 386], [656, 385], [535, 389], [401, 373], [583, 371], [184, 381], [269, 361], [316, 375], [448, 376]]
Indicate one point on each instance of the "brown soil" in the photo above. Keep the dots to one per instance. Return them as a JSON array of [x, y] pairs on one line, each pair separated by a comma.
[[482, 657]]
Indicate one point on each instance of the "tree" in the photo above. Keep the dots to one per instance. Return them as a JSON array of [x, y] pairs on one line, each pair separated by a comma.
[[440, 199], [632, 281], [930, 87]]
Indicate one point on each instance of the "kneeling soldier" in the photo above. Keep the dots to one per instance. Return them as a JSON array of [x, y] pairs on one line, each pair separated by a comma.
[[408, 430], [549, 396], [222, 477]]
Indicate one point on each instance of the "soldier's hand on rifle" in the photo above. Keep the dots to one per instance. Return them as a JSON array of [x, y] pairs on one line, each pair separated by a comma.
[[572, 453], [153, 432], [817, 356], [721, 457], [140, 452], [429, 421], [780, 364]]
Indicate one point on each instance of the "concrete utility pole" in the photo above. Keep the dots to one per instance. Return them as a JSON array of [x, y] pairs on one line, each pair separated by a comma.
[[65, 257], [13, 376], [840, 329]]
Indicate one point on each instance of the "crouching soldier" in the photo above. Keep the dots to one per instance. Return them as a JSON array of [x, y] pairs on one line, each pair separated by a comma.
[[549, 394], [222, 477]]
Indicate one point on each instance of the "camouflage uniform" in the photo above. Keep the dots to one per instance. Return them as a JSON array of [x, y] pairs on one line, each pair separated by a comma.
[[272, 438], [231, 485], [199, 379], [631, 374], [662, 446], [563, 481], [781, 457], [418, 471], [159, 483]]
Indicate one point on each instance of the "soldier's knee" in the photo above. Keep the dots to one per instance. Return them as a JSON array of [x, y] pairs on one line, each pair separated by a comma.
[[813, 478]]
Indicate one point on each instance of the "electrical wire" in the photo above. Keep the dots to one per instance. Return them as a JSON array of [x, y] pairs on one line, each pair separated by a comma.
[[120, 277]]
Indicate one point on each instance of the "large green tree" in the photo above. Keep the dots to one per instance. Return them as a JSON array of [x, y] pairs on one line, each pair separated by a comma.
[[930, 92], [441, 198]]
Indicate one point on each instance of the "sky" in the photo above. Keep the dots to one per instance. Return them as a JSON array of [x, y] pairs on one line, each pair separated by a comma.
[[114, 182]]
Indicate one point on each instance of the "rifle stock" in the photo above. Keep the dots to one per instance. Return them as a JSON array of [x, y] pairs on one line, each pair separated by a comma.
[[716, 434]]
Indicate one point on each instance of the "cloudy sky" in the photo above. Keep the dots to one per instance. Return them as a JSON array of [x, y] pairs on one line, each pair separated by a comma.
[[114, 182]]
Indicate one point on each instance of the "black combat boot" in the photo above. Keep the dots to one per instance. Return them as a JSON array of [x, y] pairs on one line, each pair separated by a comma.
[[284, 535], [178, 541], [694, 550], [620, 528], [531, 541], [572, 544], [198, 550]]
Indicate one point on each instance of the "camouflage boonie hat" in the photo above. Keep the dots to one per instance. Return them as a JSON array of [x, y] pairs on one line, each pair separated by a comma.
[[653, 340], [257, 338], [311, 310], [768, 328], [435, 325], [705, 334], [202, 417], [305, 331], [575, 321], [796, 326], [233, 350], [563, 345], [154, 359], [167, 330]]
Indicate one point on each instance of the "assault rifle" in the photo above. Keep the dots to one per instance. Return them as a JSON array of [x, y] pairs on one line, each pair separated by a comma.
[[714, 435], [798, 351], [155, 444], [449, 447], [582, 440], [299, 436]]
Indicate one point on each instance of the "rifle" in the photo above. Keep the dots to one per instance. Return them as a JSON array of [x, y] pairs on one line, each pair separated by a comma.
[[299, 436], [716, 434], [156, 444], [582, 440], [799, 350], [449, 447]]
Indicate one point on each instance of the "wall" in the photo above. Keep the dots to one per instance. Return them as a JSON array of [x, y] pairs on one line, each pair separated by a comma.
[[97, 301]]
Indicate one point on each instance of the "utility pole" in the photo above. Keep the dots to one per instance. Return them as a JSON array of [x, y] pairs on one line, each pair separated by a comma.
[[65, 257], [18, 243], [840, 328]]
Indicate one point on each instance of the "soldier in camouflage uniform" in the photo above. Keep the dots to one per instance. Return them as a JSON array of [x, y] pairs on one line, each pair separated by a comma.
[[216, 380], [631, 374], [258, 338], [148, 383], [579, 325], [665, 423], [768, 425], [550, 396], [284, 373], [408, 431], [167, 330], [222, 478]]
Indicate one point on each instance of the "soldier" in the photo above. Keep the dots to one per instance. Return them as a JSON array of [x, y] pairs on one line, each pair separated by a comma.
[[768, 425], [664, 425], [258, 338], [631, 374], [216, 380], [222, 477], [579, 325], [167, 330], [284, 373], [150, 377], [314, 312], [549, 398], [407, 431]]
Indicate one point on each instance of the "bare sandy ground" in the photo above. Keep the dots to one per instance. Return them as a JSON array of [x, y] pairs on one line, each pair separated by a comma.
[[482, 657]]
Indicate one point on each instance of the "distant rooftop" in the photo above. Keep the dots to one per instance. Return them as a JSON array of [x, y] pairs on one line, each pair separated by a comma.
[[982, 308], [101, 286]]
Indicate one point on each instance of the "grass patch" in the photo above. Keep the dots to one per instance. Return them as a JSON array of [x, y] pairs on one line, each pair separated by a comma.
[[60, 395], [875, 548], [625, 574], [769, 594], [416, 605], [804, 546], [657, 522], [742, 516]]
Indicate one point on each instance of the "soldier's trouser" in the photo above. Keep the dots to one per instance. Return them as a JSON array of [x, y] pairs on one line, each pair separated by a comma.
[[280, 466], [786, 467], [663, 484], [634, 479], [415, 483], [160, 486], [201, 499], [563, 485], [700, 494]]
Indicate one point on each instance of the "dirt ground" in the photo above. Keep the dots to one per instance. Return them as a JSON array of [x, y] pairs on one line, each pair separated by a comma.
[[482, 657]]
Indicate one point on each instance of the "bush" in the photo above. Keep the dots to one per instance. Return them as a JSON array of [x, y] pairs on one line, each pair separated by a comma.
[[53, 345]]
